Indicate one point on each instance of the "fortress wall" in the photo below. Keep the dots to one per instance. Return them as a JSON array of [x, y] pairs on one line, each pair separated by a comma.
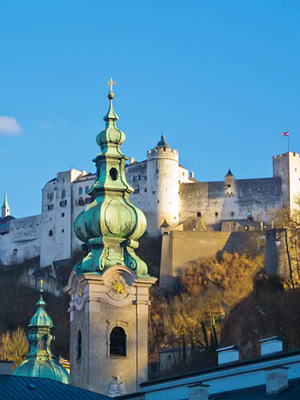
[[22, 242], [260, 196], [181, 247], [136, 175]]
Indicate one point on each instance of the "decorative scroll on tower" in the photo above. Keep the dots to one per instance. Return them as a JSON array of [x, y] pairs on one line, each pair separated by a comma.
[[109, 287]]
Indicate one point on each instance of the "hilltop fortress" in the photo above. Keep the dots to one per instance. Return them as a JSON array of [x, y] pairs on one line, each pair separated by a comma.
[[169, 195]]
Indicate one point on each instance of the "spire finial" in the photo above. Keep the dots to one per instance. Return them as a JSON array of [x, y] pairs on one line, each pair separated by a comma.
[[111, 95]]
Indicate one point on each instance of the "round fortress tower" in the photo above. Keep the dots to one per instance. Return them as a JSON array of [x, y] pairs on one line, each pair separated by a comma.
[[162, 185]]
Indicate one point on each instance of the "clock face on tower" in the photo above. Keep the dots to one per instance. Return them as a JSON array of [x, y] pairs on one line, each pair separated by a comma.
[[117, 287], [79, 294]]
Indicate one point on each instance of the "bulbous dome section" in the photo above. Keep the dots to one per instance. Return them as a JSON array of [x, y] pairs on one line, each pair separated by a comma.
[[36, 368], [114, 217]]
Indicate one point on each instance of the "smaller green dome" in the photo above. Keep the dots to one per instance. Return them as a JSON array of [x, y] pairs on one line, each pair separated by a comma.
[[40, 361], [42, 368], [41, 318]]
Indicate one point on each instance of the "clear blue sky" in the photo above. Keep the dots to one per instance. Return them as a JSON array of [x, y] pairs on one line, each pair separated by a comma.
[[220, 78]]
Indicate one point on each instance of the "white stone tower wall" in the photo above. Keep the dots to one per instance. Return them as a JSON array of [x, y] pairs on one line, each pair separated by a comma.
[[57, 221], [287, 167], [162, 187]]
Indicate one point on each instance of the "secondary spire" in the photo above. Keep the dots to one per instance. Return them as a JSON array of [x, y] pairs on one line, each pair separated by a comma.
[[5, 207]]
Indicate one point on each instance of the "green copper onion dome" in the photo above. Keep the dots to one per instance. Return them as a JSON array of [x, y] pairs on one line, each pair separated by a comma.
[[110, 225], [40, 361]]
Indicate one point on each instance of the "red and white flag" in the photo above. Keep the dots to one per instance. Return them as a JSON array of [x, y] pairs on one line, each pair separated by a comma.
[[285, 133]]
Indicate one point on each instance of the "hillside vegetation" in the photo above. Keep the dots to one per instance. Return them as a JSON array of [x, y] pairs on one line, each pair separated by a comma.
[[207, 291]]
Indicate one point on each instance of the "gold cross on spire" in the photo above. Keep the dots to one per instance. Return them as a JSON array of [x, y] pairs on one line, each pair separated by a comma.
[[41, 283], [111, 83]]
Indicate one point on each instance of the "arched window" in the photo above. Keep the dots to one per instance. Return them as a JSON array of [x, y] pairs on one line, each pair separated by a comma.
[[78, 348], [118, 342]]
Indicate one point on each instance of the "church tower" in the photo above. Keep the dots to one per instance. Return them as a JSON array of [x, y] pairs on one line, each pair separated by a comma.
[[109, 287], [5, 207]]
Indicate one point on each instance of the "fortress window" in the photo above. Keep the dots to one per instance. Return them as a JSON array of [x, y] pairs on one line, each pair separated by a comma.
[[229, 185], [63, 203], [117, 342], [86, 189], [50, 233], [62, 230], [78, 347], [63, 194], [145, 190], [199, 214], [81, 201], [15, 251], [153, 192], [50, 207], [216, 214], [113, 173], [51, 196], [62, 214], [80, 190], [232, 213]]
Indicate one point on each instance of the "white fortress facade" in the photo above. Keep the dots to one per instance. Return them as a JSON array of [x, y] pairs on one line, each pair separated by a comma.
[[168, 194]]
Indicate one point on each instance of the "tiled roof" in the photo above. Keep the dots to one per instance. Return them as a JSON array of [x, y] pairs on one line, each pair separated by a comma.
[[24, 388]]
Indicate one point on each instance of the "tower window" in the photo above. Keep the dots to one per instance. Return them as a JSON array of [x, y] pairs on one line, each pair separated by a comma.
[[113, 174], [216, 214], [50, 207], [199, 214], [118, 342], [63, 193], [81, 201], [62, 214], [80, 190], [232, 213], [63, 203], [78, 347], [86, 189], [51, 232]]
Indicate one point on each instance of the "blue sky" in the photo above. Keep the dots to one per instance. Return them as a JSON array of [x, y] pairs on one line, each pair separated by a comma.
[[220, 78]]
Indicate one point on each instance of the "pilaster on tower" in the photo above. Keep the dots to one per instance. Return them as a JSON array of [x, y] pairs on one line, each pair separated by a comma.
[[109, 287]]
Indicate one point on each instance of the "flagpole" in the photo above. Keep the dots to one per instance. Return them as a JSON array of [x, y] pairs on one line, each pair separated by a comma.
[[289, 143]]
